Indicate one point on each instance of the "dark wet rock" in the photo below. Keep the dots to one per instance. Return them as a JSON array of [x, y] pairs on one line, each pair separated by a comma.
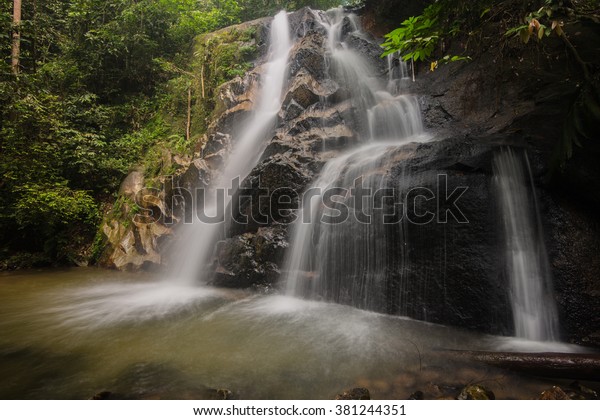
[[104, 395], [328, 138], [235, 92], [250, 259], [470, 292], [466, 291], [382, 16], [269, 193], [306, 91], [291, 110], [369, 49], [308, 55], [282, 145], [215, 143], [417, 395], [219, 394], [198, 174], [354, 394], [476, 392], [554, 393], [577, 391], [303, 23]]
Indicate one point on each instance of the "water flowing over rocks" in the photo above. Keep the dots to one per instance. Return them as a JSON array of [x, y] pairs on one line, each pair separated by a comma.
[[449, 273]]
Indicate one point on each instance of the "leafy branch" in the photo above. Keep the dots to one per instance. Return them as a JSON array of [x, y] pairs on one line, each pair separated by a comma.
[[583, 115], [418, 36]]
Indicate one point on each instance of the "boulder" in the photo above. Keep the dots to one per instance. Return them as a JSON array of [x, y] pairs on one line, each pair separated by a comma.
[[250, 259]]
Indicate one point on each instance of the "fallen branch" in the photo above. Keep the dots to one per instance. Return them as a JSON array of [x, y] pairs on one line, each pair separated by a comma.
[[556, 365]]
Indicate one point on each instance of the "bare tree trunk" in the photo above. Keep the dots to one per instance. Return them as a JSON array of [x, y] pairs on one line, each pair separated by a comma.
[[16, 38], [34, 36], [202, 80], [188, 128]]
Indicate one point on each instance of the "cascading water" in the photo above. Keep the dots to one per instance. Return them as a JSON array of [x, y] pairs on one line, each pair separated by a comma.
[[397, 73], [527, 268], [349, 262], [198, 243]]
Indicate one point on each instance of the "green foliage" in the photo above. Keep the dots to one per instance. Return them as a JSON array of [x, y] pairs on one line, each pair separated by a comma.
[[226, 55], [419, 36], [543, 22], [48, 207], [416, 37], [55, 217]]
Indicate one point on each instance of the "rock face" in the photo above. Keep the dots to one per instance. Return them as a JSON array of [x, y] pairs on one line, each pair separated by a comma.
[[250, 259], [452, 272], [523, 98], [137, 242]]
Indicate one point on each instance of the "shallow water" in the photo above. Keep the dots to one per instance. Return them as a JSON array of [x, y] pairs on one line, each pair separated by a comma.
[[74, 333]]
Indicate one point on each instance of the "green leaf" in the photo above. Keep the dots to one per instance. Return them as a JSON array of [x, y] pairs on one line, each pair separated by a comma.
[[524, 34]]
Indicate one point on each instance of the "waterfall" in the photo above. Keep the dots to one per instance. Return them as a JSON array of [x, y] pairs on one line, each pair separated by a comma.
[[397, 72], [199, 240], [344, 262], [350, 262], [527, 268]]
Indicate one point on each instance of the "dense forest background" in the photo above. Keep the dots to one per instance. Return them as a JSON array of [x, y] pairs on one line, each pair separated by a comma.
[[98, 89]]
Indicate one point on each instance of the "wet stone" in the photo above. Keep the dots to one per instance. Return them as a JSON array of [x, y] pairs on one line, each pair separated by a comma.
[[354, 394], [476, 392]]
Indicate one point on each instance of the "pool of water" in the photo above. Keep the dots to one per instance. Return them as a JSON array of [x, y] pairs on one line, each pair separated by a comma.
[[74, 333]]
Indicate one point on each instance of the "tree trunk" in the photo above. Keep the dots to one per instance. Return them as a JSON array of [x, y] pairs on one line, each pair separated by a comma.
[[202, 80], [16, 37], [188, 127], [557, 365]]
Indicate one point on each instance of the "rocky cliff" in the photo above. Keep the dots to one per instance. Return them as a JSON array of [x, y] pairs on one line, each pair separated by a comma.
[[454, 274]]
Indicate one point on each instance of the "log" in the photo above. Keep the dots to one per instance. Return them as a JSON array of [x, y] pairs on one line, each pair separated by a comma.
[[555, 365]]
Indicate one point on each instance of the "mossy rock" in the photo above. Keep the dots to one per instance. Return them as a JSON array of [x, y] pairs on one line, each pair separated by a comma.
[[476, 392]]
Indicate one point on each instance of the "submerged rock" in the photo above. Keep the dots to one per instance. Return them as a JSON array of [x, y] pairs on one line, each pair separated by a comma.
[[476, 392], [354, 394], [105, 395], [581, 392], [417, 395], [554, 393]]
